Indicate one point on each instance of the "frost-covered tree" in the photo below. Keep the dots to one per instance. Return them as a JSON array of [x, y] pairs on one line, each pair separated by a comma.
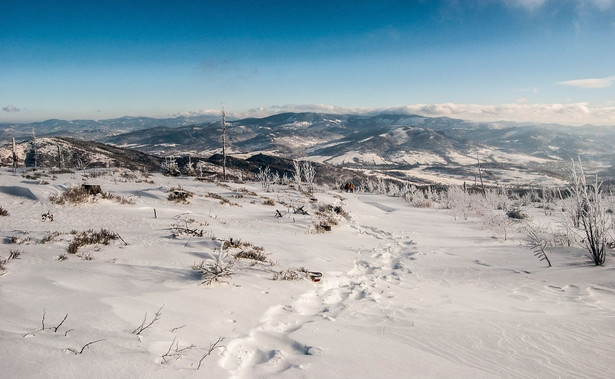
[[297, 173], [170, 167], [189, 168], [265, 177], [591, 212], [309, 174], [458, 201]]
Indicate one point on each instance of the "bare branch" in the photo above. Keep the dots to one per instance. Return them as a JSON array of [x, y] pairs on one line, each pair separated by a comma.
[[55, 329], [212, 347], [143, 327], [74, 351]]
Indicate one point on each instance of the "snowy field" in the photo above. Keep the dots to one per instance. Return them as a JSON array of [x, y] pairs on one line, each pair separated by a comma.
[[405, 292]]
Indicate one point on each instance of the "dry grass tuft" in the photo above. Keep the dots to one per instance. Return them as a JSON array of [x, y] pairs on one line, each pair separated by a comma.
[[90, 237]]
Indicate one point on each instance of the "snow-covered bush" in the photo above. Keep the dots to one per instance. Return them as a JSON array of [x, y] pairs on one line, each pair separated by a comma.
[[170, 167], [458, 202], [591, 211], [265, 177], [309, 173], [297, 173], [218, 270], [189, 169]]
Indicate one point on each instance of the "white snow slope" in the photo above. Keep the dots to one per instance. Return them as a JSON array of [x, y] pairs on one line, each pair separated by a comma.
[[406, 292]]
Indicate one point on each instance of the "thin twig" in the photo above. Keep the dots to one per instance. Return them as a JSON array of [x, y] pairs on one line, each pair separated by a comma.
[[74, 351], [55, 329], [177, 328], [212, 347], [168, 353], [142, 327]]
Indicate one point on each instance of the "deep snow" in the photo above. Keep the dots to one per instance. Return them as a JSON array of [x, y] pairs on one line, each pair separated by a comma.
[[406, 292]]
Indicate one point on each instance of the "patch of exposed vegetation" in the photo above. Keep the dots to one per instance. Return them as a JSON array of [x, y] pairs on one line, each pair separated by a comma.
[[290, 274], [255, 253], [91, 237], [82, 194], [221, 199], [13, 254], [50, 237], [180, 195], [72, 195], [268, 201]]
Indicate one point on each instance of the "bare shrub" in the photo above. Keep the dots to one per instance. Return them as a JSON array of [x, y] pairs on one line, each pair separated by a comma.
[[4, 212], [322, 227], [49, 237], [254, 254], [591, 212], [421, 203], [268, 201], [222, 199], [120, 199], [180, 195], [17, 240], [186, 228], [91, 237], [516, 214], [212, 347], [247, 192], [14, 254], [145, 325], [72, 195]]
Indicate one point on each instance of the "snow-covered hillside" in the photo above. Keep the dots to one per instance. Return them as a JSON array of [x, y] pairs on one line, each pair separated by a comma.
[[405, 291]]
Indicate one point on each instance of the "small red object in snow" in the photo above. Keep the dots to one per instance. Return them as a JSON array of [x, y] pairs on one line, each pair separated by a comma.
[[314, 276]]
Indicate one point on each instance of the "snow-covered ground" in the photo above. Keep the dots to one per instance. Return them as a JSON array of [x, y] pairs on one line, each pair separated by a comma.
[[405, 292]]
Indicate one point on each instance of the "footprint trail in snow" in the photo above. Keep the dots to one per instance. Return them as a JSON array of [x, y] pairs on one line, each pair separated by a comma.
[[276, 345]]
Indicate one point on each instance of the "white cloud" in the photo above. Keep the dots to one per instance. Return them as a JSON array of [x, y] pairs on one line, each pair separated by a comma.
[[601, 4], [11, 108], [200, 112], [532, 5], [590, 83], [567, 114]]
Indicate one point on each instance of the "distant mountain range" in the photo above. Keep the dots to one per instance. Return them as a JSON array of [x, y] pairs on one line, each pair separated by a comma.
[[416, 148]]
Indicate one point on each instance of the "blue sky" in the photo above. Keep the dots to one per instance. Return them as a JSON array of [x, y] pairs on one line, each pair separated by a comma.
[[526, 60]]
